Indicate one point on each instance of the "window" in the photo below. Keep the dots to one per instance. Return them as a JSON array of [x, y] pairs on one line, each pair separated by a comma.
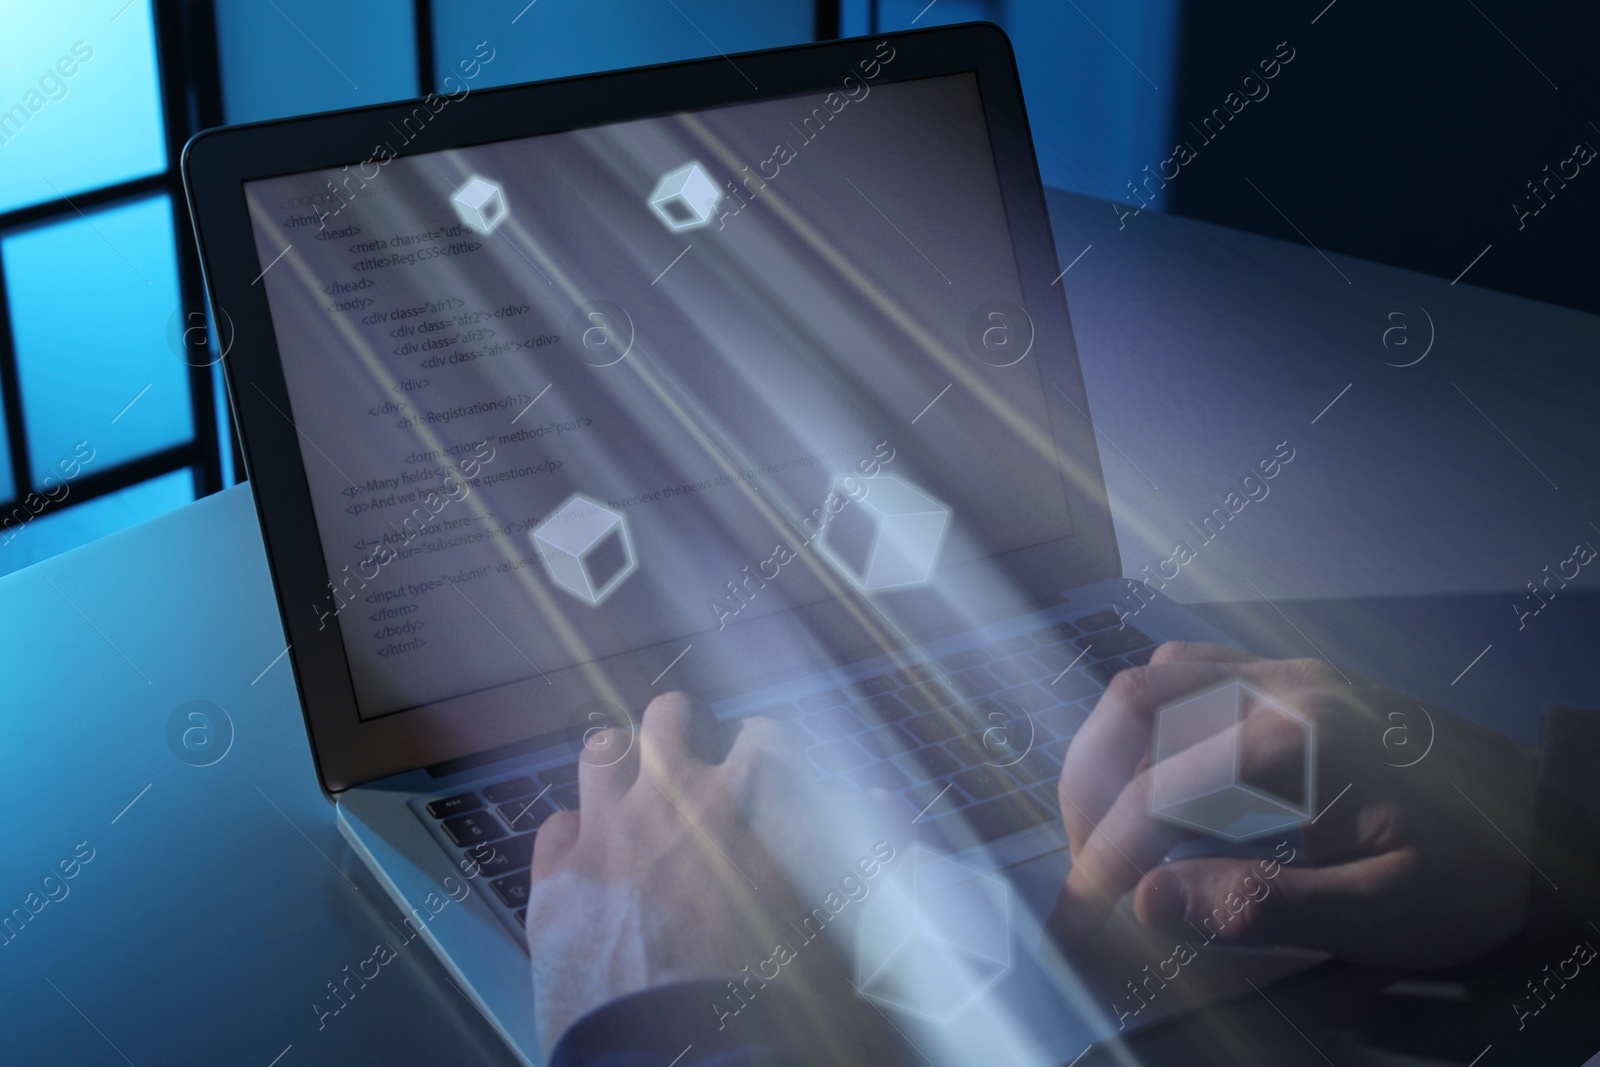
[[105, 423]]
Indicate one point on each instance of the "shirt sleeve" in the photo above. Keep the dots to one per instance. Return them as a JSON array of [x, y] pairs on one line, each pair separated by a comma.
[[690, 1024], [1566, 845], [1569, 759]]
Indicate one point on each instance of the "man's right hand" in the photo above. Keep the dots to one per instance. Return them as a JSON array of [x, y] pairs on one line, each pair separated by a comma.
[[1407, 866]]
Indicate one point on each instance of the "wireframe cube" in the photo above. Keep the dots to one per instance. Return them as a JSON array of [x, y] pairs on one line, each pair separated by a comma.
[[1198, 773], [480, 204], [687, 198], [888, 539], [586, 549], [936, 937]]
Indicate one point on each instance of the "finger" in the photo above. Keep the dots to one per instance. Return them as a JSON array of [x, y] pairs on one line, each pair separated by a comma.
[[1258, 902], [772, 785], [607, 767], [761, 774], [761, 735], [1185, 794], [1125, 844], [1200, 652], [666, 736], [556, 839], [761, 742], [1111, 745]]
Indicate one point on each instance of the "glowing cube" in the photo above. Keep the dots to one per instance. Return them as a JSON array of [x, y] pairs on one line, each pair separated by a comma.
[[586, 549], [686, 198], [888, 539], [936, 937], [1199, 780], [480, 204]]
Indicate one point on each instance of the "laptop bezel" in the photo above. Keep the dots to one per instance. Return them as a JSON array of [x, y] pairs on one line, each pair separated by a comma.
[[349, 751]]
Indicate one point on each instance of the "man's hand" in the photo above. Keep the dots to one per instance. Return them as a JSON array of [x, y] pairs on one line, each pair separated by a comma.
[[667, 873], [1412, 866]]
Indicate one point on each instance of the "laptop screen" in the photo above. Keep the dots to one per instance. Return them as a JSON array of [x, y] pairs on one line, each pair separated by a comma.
[[567, 396]]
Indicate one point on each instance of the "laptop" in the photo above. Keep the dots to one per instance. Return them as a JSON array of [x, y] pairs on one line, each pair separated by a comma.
[[747, 376]]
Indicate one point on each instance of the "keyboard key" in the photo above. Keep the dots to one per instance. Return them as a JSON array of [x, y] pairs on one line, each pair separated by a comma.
[[917, 672], [1011, 646], [1018, 670], [472, 828], [881, 775], [835, 723], [960, 661], [526, 813], [1075, 685], [1006, 815], [516, 787], [975, 682], [500, 857], [564, 797], [981, 783], [886, 708], [1063, 721], [886, 741], [781, 712], [878, 683], [1013, 735], [1029, 699], [828, 698], [1057, 750], [1141, 657], [797, 731], [971, 714], [1008, 735], [840, 755], [1042, 733], [1114, 642], [1046, 794], [459, 804], [934, 727], [1100, 620], [927, 696], [561, 774], [1035, 767], [932, 799], [512, 889], [1106, 669], [929, 763], [1059, 657], [1051, 635], [971, 750]]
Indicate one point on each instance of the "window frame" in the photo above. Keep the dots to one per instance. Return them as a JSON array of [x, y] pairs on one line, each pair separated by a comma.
[[190, 100]]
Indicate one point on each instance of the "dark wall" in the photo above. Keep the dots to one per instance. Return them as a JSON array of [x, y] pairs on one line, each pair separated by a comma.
[[1405, 133]]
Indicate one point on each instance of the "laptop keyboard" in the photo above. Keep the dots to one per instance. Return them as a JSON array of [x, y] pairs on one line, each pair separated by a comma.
[[493, 827], [974, 745]]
